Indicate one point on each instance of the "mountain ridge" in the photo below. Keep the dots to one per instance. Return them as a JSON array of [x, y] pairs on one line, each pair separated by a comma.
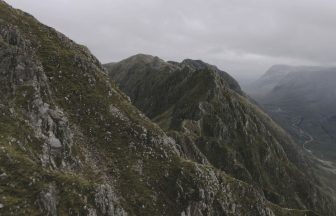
[[73, 144], [195, 128]]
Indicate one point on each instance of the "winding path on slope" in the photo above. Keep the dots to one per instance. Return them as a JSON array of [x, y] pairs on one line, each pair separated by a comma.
[[326, 165], [302, 133]]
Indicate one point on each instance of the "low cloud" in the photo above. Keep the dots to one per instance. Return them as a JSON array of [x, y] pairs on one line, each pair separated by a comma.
[[241, 37]]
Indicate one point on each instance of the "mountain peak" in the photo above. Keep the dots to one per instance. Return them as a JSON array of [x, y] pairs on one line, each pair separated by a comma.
[[144, 65], [197, 64], [142, 57], [71, 143]]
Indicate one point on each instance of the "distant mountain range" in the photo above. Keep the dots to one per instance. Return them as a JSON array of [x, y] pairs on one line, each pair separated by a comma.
[[302, 100]]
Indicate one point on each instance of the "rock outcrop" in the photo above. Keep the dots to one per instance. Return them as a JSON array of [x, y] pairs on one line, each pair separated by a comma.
[[71, 143]]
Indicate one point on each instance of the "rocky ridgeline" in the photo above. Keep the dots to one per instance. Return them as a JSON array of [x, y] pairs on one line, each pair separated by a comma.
[[71, 143], [214, 124]]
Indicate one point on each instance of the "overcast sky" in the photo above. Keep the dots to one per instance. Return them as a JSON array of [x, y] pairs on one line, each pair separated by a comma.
[[242, 37]]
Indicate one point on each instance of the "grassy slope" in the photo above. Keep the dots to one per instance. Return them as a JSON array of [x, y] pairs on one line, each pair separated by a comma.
[[81, 89]]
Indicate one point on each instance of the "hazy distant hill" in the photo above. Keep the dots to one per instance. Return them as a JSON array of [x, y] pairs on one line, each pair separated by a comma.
[[272, 78], [303, 100]]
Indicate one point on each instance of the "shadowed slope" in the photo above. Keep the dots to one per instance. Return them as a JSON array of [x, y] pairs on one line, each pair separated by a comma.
[[206, 112]]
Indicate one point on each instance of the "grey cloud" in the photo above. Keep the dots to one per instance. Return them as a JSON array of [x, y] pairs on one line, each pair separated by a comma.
[[243, 37]]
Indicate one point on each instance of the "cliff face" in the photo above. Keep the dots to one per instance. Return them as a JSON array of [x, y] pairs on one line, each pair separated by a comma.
[[214, 124], [72, 143]]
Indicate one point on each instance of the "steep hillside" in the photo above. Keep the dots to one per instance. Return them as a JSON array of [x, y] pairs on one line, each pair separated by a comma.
[[304, 102], [72, 144], [214, 124]]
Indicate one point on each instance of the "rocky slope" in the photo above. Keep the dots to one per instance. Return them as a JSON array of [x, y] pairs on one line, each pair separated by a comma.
[[71, 143], [214, 124]]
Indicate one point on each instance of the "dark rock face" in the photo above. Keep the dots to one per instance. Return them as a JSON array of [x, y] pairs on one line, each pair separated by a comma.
[[214, 124]]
